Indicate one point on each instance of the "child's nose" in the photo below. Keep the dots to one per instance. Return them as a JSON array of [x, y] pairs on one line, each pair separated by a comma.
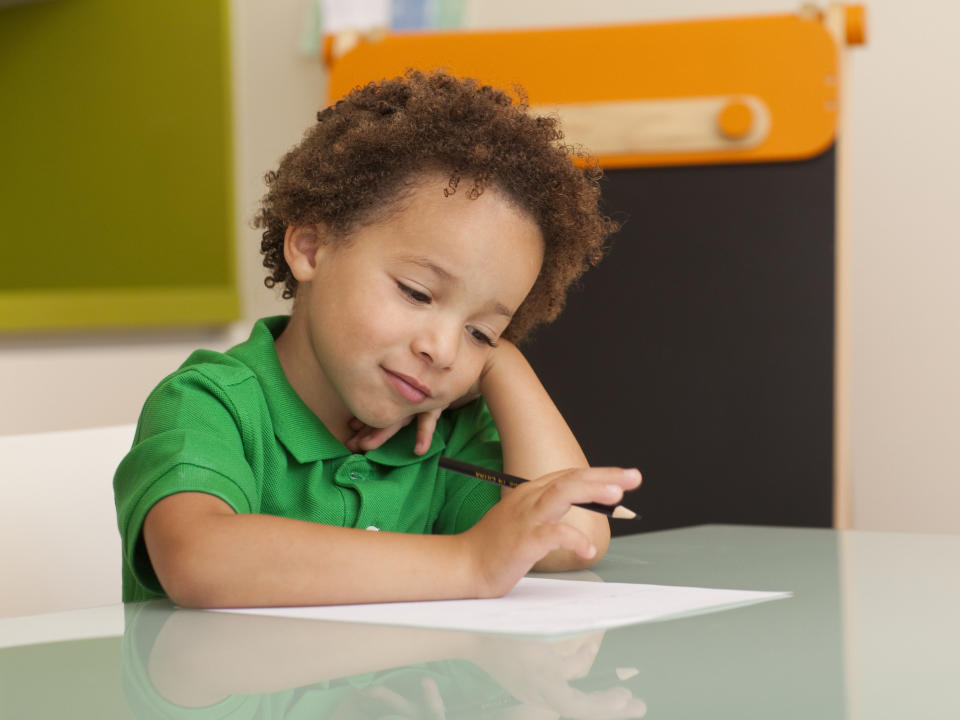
[[438, 345]]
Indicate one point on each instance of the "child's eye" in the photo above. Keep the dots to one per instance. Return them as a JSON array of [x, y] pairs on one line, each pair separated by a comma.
[[481, 337], [414, 295]]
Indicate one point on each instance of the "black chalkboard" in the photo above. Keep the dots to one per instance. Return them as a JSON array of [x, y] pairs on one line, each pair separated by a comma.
[[701, 350]]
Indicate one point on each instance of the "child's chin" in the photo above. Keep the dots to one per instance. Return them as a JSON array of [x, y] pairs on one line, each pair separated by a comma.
[[381, 421]]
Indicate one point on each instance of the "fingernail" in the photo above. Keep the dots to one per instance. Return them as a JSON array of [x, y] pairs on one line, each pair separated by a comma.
[[591, 551], [634, 473]]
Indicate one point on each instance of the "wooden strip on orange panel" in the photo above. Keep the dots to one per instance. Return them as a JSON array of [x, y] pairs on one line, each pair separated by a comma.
[[789, 62]]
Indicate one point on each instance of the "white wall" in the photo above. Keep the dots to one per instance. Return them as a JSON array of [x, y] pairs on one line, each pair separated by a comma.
[[903, 232]]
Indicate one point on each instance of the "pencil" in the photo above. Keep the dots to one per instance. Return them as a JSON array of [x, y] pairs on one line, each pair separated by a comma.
[[511, 481]]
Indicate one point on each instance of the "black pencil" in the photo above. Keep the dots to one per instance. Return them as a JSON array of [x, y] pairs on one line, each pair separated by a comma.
[[511, 481]]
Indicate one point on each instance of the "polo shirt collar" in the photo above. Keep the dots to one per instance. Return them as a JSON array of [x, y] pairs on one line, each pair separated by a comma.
[[295, 425]]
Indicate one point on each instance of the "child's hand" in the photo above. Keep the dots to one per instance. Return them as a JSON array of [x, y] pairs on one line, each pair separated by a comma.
[[367, 438], [526, 524]]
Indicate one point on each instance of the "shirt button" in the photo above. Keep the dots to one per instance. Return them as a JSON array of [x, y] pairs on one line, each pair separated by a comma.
[[372, 527], [354, 475]]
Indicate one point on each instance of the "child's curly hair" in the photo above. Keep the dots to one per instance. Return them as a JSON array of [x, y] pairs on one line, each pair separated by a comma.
[[363, 149]]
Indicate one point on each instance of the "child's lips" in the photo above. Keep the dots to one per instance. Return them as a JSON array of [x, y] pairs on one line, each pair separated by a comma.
[[409, 387]]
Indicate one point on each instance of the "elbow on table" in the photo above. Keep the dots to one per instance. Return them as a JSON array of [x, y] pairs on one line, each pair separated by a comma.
[[186, 580], [188, 541], [188, 569]]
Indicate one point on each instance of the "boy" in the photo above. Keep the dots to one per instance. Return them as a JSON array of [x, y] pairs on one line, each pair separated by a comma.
[[422, 226]]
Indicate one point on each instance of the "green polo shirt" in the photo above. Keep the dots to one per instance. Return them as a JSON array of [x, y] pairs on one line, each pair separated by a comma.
[[229, 424]]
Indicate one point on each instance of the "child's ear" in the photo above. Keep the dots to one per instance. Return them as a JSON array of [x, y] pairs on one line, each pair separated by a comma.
[[300, 247]]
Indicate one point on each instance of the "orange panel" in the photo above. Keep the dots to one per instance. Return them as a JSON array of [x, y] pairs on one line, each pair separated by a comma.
[[788, 61]]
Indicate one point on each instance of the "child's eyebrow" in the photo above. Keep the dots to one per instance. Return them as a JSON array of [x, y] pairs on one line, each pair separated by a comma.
[[429, 264], [498, 307]]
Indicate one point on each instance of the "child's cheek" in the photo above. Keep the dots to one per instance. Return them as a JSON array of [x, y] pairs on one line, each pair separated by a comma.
[[470, 387]]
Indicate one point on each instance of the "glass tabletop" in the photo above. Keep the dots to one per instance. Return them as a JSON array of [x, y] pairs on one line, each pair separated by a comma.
[[872, 630]]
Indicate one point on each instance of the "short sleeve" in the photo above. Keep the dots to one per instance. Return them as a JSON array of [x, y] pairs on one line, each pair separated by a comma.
[[473, 439], [189, 439]]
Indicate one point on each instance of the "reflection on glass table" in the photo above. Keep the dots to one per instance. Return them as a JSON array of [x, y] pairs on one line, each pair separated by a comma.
[[871, 632], [183, 663]]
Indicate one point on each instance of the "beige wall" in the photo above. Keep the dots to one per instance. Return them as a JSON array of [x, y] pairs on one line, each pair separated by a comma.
[[904, 221], [903, 390]]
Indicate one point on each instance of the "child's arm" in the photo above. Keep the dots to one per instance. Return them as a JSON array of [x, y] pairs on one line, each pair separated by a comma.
[[206, 555], [537, 441]]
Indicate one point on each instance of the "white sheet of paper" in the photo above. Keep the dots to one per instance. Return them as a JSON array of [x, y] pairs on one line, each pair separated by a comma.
[[539, 606]]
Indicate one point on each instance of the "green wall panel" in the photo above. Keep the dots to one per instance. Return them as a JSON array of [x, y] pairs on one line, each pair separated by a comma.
[[115, 164]]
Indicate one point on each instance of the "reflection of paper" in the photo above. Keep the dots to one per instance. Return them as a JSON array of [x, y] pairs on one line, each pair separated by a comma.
[[540, 606]]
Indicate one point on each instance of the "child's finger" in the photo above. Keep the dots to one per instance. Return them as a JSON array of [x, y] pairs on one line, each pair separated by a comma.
[[627, 478], [375, 437], [553, 536], [356, 424], [599, 485], [371, 437], [426, 424], [353, 443]]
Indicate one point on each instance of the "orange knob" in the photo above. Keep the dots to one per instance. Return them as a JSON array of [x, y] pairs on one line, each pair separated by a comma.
[[735, 120], [855, 22]]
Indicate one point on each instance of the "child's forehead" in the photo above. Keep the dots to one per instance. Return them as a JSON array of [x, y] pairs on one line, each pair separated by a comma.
[[485, 243], [436, 220]]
